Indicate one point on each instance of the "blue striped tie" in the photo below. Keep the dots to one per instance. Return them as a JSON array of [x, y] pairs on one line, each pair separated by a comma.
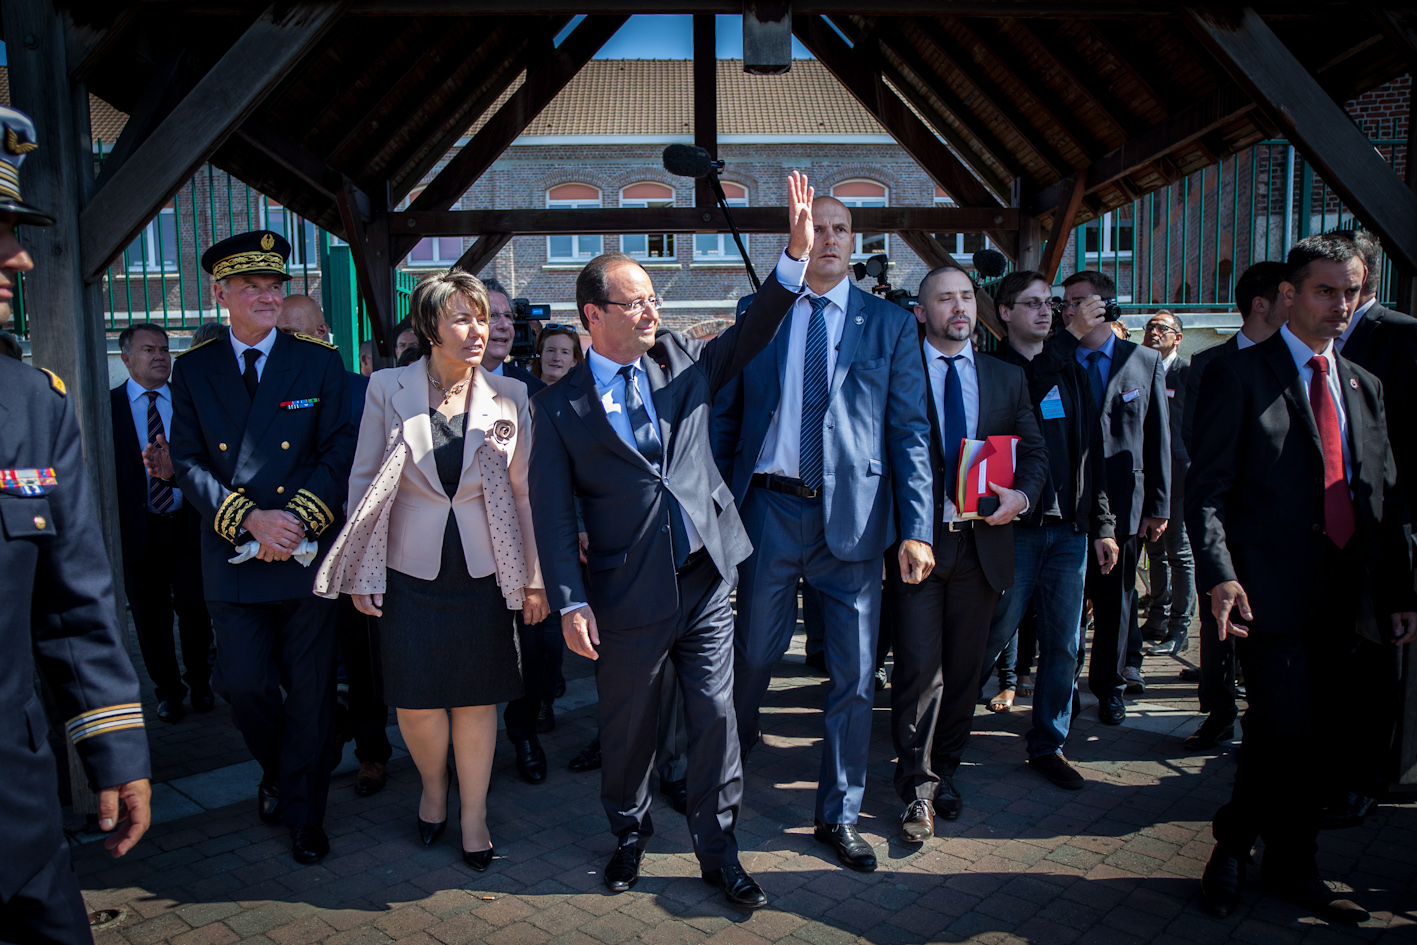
[[814, 396]]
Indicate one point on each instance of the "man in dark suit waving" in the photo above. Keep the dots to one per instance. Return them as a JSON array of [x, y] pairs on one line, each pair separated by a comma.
[[627, 431], [942, 624], [1292, 496]]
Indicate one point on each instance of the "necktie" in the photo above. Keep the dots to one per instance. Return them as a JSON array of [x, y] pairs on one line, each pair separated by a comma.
[[651, 449], [159, 495], [249, 375], [953, 421], [1338, 504], [1094, 377], [814, 396]]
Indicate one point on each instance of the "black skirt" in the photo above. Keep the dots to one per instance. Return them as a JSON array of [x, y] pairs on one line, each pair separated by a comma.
[[450, 641]]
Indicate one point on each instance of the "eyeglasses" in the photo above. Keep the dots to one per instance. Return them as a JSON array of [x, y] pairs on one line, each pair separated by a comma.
[[1157, 328], [1033, 305], [635, 306], [501, 314]]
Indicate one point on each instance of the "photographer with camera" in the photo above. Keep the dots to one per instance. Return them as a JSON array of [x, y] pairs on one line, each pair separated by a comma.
[[1128, 384]]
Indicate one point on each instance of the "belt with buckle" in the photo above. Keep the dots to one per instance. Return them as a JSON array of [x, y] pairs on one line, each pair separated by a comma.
[[960, 526], [775, 483]]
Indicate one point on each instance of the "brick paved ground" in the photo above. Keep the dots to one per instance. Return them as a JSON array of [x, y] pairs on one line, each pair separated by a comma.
[[1114, 863]]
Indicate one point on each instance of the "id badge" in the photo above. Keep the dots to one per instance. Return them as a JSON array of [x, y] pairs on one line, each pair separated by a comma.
[[1052, 405]]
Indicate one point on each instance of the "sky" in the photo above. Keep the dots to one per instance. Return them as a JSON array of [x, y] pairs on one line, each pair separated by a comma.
[[672, 37]]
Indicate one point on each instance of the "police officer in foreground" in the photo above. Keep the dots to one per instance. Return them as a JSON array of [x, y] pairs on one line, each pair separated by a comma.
[[58, 621], [262, 444]]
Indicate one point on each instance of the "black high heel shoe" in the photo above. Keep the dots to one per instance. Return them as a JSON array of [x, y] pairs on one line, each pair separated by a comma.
[[429, 833], [479, 860]]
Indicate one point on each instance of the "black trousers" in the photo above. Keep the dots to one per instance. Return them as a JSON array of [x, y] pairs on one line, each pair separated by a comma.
[[1300, 661], [260, 650], [167, 581], [49, 909], [696, 645], [1217, 685], [941, 631], [367, 717], [542, 650], [1114, 622]]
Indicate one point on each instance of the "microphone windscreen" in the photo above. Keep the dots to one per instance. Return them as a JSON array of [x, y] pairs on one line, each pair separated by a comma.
[[687, 160], [990, 263]]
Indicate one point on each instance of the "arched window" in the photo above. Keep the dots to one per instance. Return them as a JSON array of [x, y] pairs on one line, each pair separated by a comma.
[[865, 193], [719, 247], [572, 248], [434, 252], [648, 245]]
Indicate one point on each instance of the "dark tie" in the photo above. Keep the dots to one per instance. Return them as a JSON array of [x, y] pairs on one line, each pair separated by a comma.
[[814, 396], [1338, 504], [651, 449], [1094, 377], [252, 355], [159, 495], [954, 423]]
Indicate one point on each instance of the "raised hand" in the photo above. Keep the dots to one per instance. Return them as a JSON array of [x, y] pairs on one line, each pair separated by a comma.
[[799, 215]]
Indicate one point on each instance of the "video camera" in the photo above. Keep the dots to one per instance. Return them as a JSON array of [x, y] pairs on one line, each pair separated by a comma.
[[876, 268], [523, 339]]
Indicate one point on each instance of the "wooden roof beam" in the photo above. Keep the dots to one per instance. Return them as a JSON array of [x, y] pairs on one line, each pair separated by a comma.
[[482, 252], [857, 70], [293, 157], [1111, 107], [86, 45], [544, 81], [260, 59], [1063, 222], [1286, 90]]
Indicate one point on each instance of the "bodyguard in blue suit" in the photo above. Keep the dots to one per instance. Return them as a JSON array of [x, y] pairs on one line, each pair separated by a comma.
[[831, 449]]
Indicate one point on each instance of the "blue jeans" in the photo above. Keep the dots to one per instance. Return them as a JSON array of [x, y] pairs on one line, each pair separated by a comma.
[[1050, 567]]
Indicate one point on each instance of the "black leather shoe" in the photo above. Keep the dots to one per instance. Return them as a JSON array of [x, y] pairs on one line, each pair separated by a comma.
[[268, 803], [1187, 674], [948, 803], [1220, 883], [429, 833], [479, 860], [817, 661], [850, 848], [1055, 768], [203, 700], [1111, 712], [917, 824], [1313, 893], [677, 792], [309, 844], [882, 680], [1347, 811], [1212, 732], [531, 761], [588, 759], [738, 887], [1174, 645], [545, 719], [169, 710], [623, 870]]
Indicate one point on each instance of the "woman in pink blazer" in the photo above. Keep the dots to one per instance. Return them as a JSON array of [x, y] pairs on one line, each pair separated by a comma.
[[461, 554]]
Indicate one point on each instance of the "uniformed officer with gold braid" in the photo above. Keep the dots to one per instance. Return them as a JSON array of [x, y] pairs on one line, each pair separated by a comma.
[[262, 444], [57, 620]]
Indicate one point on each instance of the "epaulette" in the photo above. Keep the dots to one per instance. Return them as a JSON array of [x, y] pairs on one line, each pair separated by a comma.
[[55, 382], [313, 340], [194, 348]]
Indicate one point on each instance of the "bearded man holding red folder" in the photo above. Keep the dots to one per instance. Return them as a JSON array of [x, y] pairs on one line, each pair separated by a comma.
[[942, 623]]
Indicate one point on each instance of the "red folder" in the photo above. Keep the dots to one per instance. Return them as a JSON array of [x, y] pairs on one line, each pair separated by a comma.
[[982, 462]]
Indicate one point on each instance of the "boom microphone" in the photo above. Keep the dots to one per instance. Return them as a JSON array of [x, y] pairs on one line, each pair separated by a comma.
[[687, 160], [989, 263]]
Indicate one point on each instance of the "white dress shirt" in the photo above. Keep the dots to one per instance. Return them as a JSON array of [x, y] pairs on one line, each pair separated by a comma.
[[138, 403], [264, 346], [1342, 339], [1242, 340], [969, 385], [782, 447], [1302, 355], [1169, 360]]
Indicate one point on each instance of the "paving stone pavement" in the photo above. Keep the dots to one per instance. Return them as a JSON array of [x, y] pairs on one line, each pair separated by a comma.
[[1117, 862]]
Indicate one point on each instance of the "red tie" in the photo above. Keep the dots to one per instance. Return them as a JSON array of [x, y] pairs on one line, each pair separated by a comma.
[[1338, 504]]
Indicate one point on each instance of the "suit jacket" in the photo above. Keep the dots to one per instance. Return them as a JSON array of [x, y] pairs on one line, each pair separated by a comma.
[[358, 390], [1176, 376], [1199, 361], [1136, 434], [534, 384], [629, 579], [1384, 342], [398, 398], [1005, 409], [875, 437], [58, 622], [288, 449], [1255, 498]]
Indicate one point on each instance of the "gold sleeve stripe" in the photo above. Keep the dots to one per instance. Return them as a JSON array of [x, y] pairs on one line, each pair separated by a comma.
[[107, 719], [309, 509], [229, 515]]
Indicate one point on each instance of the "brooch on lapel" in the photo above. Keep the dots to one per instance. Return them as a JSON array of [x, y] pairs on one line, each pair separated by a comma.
[[300, 404], [1353, 383], [860, 320], [27, 481], [502, 430]]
